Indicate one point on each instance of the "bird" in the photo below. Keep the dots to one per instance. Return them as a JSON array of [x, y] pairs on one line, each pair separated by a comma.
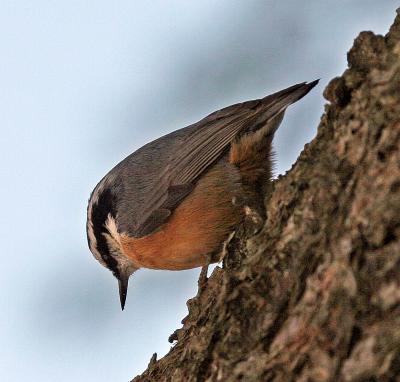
[[172, 203]]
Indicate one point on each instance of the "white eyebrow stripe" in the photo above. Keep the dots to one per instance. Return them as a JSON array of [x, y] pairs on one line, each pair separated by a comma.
[[94, 198], [93, 244]]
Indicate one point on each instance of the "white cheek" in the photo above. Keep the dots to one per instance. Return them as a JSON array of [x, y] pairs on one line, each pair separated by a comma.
[[112, 228], [125, 264]]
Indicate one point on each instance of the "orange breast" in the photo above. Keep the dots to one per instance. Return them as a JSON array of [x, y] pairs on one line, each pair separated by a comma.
[[197, 227]]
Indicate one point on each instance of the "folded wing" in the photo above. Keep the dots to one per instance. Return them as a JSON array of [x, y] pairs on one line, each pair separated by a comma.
[[203, 146]]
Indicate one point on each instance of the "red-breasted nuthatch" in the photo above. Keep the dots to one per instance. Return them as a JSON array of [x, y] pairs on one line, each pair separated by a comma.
[[169, 204]]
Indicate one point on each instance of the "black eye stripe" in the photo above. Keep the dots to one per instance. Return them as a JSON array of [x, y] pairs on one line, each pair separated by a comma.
[[100, 211]]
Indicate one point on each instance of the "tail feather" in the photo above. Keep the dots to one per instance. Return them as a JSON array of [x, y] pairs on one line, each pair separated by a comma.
[[252, 151], [275, 104], [294, 92]]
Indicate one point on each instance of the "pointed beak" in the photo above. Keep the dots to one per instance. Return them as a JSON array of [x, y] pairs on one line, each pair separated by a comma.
[[123, 289]]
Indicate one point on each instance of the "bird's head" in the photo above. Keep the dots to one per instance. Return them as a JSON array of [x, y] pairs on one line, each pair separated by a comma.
[[103, 237]]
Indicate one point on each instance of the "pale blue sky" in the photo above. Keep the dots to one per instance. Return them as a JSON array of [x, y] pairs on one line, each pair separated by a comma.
[[85, 83]]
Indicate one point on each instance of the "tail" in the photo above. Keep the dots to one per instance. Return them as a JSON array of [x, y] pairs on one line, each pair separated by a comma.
[[252, 151], [289, 95], [272, 106]]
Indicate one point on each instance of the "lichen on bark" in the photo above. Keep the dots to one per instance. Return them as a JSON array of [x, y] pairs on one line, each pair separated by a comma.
[[315, 295]]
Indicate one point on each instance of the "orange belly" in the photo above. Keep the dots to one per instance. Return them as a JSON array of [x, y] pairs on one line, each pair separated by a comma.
[[197, 227]]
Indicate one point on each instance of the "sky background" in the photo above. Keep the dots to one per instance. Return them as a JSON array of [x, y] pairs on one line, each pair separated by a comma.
[[85, 83]]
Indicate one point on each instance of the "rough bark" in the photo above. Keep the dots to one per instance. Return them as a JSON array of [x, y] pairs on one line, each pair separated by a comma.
[[315, 296]]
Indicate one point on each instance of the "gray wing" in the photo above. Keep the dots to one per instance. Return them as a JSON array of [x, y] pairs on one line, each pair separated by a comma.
[[205, 142]]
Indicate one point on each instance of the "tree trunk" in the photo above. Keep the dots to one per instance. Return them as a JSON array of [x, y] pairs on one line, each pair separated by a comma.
[[315, 296]]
